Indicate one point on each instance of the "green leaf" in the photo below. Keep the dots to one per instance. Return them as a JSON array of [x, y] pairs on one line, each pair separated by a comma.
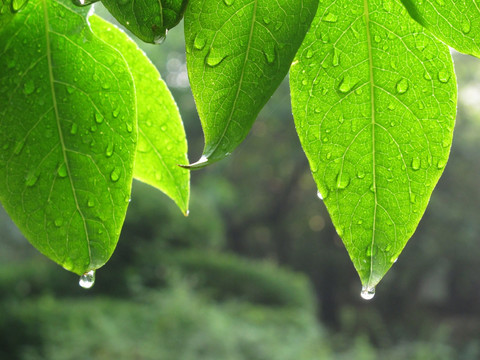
[[456, 22], [8, 8], [148, 19], [238, 52], [374, 101], [67, 99], [162, 143]]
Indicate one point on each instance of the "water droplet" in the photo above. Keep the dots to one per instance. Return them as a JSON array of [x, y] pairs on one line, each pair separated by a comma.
[[199, 42], [466, 27], [229, 2], [160, 38], [346, 84], [214, 57], [270, 53], [342, 181], [330, 17], [309, 54], [441, 164], [74, 129], [402, 86], [87, 280], [336, 57], [393, 259], [443, 76], [18, 5], [90, 203], [319, 195], [31, 179], [360, 174], [416, 163], [98, 118], [367, 293], [115, 175], [58, 222], [28, 87], [62, 170], [129, 127], [109, 150], [413, 197]]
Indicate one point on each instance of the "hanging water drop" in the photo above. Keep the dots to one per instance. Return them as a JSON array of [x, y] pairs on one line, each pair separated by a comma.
[[367, 293], [160, 38], [319, 195], [87, 280]]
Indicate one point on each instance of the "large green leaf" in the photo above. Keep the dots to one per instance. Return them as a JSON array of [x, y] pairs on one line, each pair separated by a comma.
[[456, 22], [238, 52], [374, 101], [162, 143], [68, 134], [147, 19]]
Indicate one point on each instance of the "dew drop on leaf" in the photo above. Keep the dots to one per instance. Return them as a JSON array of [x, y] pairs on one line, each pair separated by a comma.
[[18, 5], [109, 150], [402, 86], [115, 175], [330, 17], [443, 76], [214, 58], [90, 203], [87, 280], [31, 179], [58, 222], [416, 163], [62, 170], [98, 118], [199, 42], [342, 181], [74, 129], [228, 2], [28, 87], [367, 293]]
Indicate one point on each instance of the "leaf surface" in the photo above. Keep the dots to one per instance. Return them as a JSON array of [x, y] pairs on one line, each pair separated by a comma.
[[68, 134], [162, 144], [238, 52], [374, 101], [147, 19], [456, 22]]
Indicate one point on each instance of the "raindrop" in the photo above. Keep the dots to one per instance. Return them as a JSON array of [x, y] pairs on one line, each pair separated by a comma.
[[416, 164], [28, 87], [160, 38], [129, 127], [402, 86], [116, 112], [31, 179], [115, 175], [367, 293], [199, 42], [319, 195], [466, 27], [83, 2], [441, 164], [214, 58], [87, 280], [270, 54], [342, 181], [109, 150], [336, 57], [58, 222], [346, 84], [18, 5], [90, 203], [74, 129], [62, 170], [309, 54], [360, 174], [98, 118], [330, 17], [443, 76], [229, 2], [413, 198]]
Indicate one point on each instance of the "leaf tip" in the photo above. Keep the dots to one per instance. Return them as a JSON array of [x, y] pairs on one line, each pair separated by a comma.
[[201, 163]]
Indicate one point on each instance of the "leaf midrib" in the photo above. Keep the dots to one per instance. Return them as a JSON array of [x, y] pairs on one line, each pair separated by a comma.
[[240, 82], [57, 118], [372, 102]]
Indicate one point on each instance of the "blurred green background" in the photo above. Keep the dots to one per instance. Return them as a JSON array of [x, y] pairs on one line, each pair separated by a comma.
[[256, 272]]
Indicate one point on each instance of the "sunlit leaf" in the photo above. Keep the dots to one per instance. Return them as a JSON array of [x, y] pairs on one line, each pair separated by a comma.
[[456, 22], [68, 134], [161, 138], [238, 52], [374, 101]]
